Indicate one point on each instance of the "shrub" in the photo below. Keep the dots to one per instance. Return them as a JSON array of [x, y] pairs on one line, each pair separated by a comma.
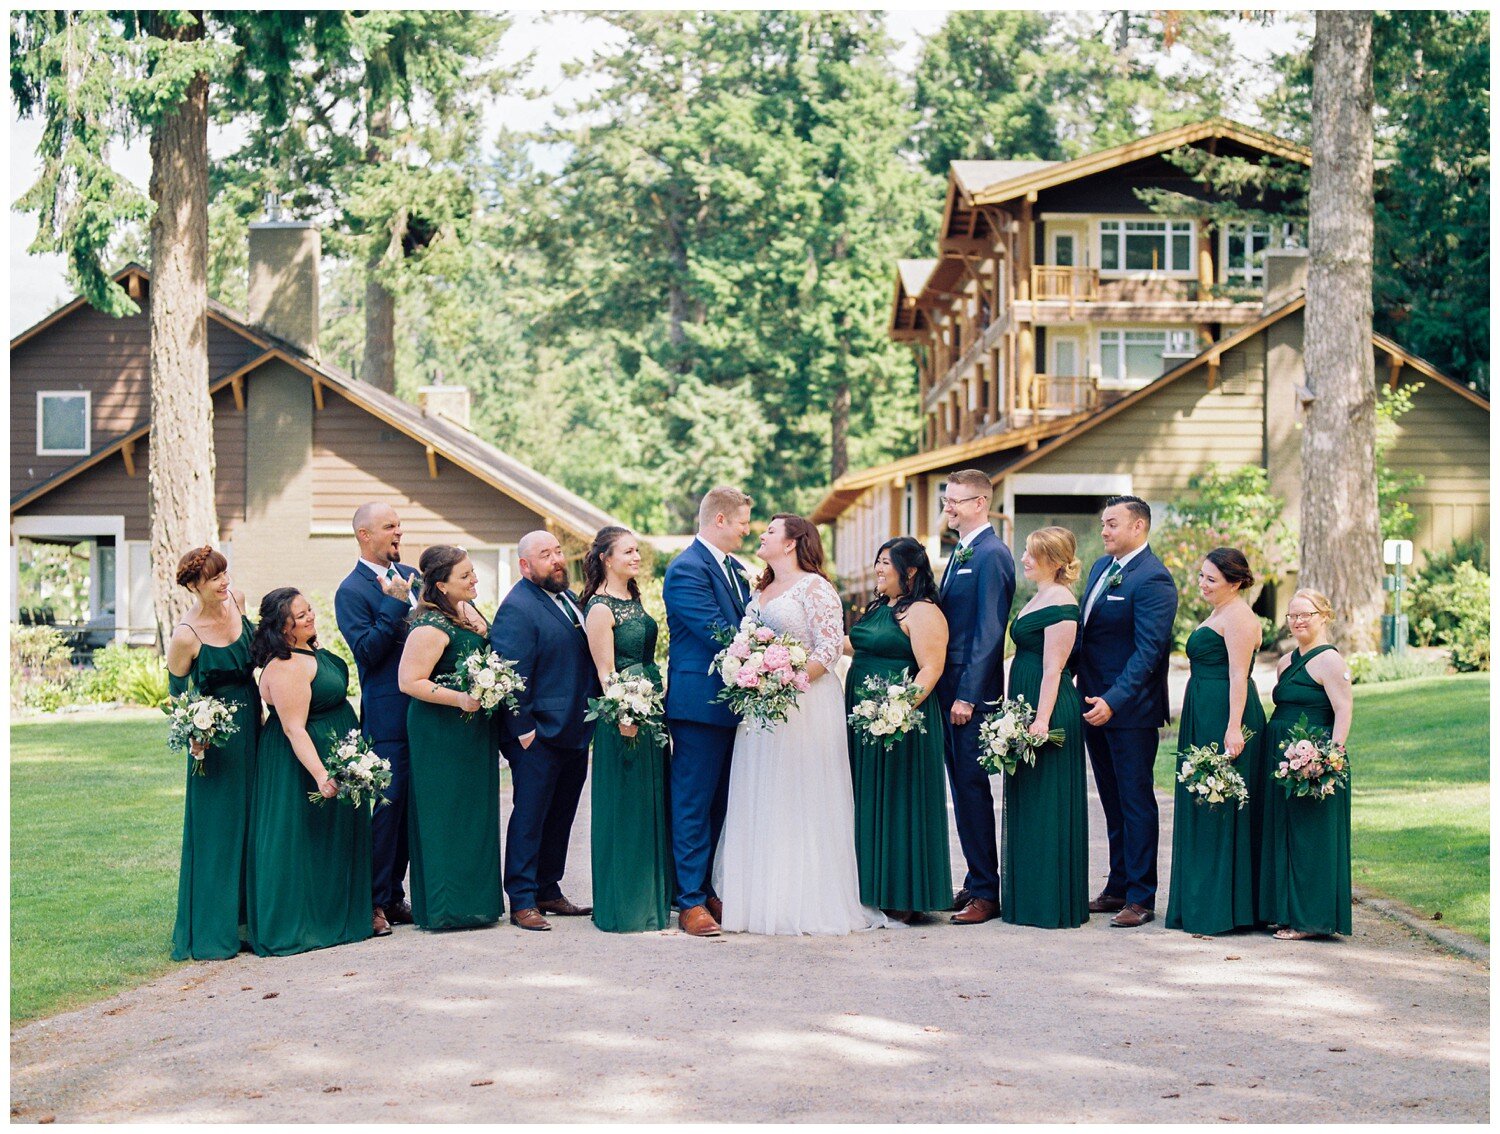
[[134, 675], [41, 670], [1427, 599], [1370, 669]]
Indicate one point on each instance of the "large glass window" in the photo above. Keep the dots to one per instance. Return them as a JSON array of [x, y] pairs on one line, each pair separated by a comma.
[[1140, 356], [62, 423], [1146, 246], [1245, 245]]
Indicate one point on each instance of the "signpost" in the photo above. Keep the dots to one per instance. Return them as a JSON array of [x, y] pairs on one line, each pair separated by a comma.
[[1393, 628]]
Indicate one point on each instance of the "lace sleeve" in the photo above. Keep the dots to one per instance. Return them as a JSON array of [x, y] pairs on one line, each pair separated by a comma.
[[825, 619]]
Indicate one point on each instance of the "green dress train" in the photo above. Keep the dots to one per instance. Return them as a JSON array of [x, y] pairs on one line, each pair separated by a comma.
[[308, 884], [901, 793], [216, 813], [1044, 855], [1305, 872], [453, 801], [631, 839], [1214, 845]]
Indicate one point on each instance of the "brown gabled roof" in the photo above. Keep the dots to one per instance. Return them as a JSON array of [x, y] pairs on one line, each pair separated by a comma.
[[972, 177]]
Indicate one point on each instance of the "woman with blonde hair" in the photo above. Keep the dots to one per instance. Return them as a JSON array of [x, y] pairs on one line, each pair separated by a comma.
[[1044, 855]]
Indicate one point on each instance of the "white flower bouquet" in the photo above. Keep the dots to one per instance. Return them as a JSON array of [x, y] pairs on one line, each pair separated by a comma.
[[358, 773], [1312, 766], [207, 720], [488, 678], [1005, 743], [887, 711], [631, 701], [1210, 775], [763, 672]]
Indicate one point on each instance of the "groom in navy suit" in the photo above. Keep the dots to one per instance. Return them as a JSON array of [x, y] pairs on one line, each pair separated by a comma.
[[975, 597], [1130, 603], [705, 588], [370, 607]]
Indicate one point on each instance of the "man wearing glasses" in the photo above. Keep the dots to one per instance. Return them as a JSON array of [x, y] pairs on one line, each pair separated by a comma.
[[975, 596]]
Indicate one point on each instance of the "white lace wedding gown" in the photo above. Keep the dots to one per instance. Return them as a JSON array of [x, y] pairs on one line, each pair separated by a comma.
[[786, 862]]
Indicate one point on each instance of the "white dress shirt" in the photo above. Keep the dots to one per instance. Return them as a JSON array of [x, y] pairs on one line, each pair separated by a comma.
[[719, 557], [380, 576], [1104, 578]]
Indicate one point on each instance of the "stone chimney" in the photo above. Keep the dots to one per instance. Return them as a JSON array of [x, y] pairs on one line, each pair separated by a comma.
[[451, 402], [1286, 276], [283, 297]]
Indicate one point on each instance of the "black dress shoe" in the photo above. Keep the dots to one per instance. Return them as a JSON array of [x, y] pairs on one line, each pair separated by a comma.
[[399, 914], [960, 900], [561, 907]]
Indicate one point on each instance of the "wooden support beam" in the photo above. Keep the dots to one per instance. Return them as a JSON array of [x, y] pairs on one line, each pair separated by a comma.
[[237, 384], [317, 393], [133, 289], [1213, 371], [431, 462], [1396, 363], [127, 451]]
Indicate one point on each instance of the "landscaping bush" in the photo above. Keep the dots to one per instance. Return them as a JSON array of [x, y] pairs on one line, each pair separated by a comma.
[[134, 675], [41, 669], [1371, 669], [1429, 599]]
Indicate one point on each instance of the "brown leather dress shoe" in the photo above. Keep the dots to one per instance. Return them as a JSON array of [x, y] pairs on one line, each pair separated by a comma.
[[1106, 903], [399, 914], [698, 922], [379, 927], [977, 912], [960, 900], [715, 909], [530, 918], [564, 908], [1132, 916]]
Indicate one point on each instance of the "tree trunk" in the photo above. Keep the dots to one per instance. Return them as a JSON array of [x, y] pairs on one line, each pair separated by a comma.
[[181, 452], [1340, 538], [379, 365], [839, 442]]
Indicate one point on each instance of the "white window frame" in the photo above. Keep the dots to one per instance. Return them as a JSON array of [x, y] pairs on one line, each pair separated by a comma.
[[81, 528], [1283, 235], [1120, 227], [1079, 340], [1184, 348], [88, 422]]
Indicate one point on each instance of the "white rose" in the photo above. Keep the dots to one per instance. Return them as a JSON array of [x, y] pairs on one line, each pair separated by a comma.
[[203, 718], [799, 656], [484, 679], [756, 661], [616, 693], [729, 670]]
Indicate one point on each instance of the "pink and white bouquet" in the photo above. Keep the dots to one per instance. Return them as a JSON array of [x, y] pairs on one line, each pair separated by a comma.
[[1312, 766], [207, 720], [631, 701], [763, 672], [1210, 775], [1005, 743], [888, 710], [357, 772], [488, 678]]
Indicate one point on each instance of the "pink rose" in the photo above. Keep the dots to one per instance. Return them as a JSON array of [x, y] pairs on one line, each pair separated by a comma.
[[764, 633], [747, 679], [801, 681], [739, 648], [778, 657]]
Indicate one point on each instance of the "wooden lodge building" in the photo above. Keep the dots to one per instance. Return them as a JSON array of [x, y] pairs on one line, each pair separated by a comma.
[[1075, 345], [298, 446]]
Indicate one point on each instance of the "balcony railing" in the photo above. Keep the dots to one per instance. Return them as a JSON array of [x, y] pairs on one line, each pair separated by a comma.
[[1071, 285], [1060, 395], [986, 342]]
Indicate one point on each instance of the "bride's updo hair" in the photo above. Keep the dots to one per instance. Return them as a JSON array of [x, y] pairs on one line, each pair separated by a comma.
[[809, 547]]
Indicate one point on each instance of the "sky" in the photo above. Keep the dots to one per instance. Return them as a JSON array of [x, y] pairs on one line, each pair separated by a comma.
[[36, 284]]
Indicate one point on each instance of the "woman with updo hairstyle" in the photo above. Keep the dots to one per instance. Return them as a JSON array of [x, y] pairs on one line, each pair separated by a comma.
[[1305, 875], [453, 805], [208, 654], [631, 839], [1216, 848], [1044, 855], [901, 792], [309, 877]]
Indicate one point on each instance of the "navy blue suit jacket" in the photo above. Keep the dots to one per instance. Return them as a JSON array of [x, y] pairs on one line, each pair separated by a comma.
[[552, 654], [1122, 649], [698, 598], [374, 624], [976, 604]]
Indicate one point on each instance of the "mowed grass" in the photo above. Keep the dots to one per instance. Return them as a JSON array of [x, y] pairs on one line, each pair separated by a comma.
[[1419, 753]]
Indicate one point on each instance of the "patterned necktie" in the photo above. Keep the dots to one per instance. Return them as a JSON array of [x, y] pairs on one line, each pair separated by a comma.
[[567, 608]]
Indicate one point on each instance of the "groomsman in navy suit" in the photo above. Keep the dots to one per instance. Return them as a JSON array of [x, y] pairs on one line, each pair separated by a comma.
[[370, 607], [539, 626], [1129, 606], [975, 596], [705, 588]]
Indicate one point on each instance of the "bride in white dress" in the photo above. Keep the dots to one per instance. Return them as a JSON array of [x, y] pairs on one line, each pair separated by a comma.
[[786, 861]]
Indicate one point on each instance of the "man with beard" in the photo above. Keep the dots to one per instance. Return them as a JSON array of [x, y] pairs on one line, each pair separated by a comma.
[[539, 626]]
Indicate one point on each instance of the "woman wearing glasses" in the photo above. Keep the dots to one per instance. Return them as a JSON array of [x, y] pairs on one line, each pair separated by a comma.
[[1305, 860]]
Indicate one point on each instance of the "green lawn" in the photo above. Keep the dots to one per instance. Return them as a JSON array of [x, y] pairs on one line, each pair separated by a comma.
[[1419, 752]]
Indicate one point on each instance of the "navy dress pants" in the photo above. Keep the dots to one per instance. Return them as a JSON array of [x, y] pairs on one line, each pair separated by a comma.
[[699, 790], [546, 784], [1122, 759], [973, 799], [389, 852]]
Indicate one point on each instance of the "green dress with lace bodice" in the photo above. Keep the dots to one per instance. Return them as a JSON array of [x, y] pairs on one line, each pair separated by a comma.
[[1305, 874], [631, 839], [1044, 846], [453, 800], [900, 793], [1214, 845], [216, 811]]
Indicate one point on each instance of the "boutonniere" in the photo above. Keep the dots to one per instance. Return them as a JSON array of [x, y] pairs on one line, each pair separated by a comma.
[[963, 555], [1116, 579]]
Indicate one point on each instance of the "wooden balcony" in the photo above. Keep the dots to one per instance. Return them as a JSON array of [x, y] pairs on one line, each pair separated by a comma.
[[1069, 285], [1059, 395]]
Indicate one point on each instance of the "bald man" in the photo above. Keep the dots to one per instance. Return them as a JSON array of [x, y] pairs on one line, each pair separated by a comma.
[[371, 606], [539, 626]]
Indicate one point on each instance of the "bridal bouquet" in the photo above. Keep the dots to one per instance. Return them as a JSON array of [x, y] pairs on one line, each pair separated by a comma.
[[358, 773], [1004, 743], [207, 720], [488, 678], [888, 710], [763, 672], [1312, 765], [631, 701], [1210, 775]]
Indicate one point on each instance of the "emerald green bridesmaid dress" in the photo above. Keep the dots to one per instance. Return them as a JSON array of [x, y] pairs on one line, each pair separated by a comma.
[[1213, 846], [1305, 871], [453, 801], [216, 814], [901, 793], [631, 840], [1044, 849], [308, 884]]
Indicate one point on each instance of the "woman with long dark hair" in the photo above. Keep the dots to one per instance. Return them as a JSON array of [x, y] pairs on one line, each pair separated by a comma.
[[453, 809], [631, 840], [900, 792], [309, 877]]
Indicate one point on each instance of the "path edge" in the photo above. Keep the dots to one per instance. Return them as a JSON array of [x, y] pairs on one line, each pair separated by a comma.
[[1453, 940]]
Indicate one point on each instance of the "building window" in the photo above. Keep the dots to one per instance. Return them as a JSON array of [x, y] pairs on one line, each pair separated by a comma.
[[62, 423], [1146, 246], [1140, 356], [1245, 245]]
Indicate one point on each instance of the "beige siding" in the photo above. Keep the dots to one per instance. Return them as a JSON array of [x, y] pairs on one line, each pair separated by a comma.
[[1445, 437]]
